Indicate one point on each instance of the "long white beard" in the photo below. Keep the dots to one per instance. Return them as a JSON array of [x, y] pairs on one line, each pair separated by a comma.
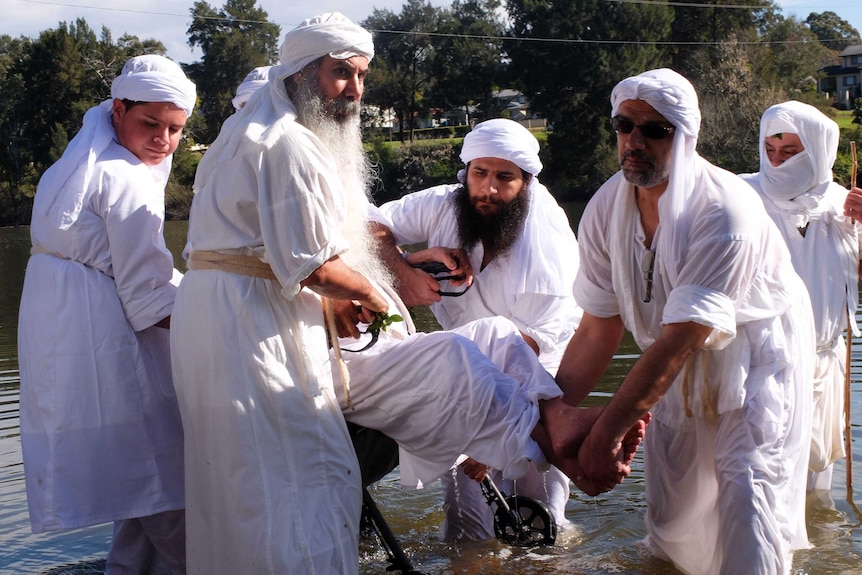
[[343, 138]]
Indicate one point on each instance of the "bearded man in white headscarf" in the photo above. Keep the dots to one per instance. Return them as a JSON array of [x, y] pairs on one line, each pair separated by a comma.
[[504, 232], [277, 223], [100, 427], [683, 255], [798, 146]]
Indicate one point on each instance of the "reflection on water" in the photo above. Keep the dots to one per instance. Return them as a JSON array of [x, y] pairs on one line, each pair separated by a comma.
[[605, 538]]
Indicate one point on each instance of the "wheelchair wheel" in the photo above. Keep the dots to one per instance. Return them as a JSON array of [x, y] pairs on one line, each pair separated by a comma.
[[537, 525]]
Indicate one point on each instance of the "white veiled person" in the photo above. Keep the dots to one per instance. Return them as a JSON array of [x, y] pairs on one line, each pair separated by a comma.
[[100, 427], [720, 497], [800, 195]]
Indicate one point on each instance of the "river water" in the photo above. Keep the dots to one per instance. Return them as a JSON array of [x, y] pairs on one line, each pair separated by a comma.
[[605, 540]]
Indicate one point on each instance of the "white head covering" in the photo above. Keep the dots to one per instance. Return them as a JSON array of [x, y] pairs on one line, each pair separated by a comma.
[[673, 97], [328, 34], [253, 81], [809, 171], [148, 78], [504, 139]]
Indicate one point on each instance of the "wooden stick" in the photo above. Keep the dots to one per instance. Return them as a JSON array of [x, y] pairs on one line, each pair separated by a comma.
[[848, 439]]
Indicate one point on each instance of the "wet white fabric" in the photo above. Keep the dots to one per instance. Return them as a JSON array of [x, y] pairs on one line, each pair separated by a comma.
[[272, 478], [328, 34], [273, 482], [472, 390], [147, 78], [826, 257], [504, 139], [727, 450], [95, 375], [531, 286], [254, 80]]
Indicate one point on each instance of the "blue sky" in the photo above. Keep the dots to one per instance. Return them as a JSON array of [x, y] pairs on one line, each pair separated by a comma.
[[167, 20]]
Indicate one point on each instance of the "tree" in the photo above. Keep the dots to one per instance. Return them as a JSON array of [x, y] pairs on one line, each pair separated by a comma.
[[567, 56], [468, 60], [794, 56], [234, 41], [401, 74], [832, 31]]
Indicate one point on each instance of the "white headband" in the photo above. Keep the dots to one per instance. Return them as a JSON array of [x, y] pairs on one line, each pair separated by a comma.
[[153, 78], [331, 34], [504, 139]]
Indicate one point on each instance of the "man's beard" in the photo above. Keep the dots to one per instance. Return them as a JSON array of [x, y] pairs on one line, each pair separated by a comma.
[[497, 231], [336, 124], [654, 176]]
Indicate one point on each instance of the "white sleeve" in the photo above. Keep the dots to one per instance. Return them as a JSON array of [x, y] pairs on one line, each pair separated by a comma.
[[133, 208]]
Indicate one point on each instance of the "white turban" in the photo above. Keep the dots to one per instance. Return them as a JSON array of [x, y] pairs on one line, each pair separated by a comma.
[[147, 78], [809, 169], [328, 34], [674, 98], [153, 78], [504, 139], [255, 80]]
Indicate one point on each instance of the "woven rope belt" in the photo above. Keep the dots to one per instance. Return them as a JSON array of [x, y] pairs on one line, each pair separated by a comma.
[[252, 266], [233, 263]]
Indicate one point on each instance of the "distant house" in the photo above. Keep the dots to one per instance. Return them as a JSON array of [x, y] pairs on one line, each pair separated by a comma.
[[517, 107], [844, 81]]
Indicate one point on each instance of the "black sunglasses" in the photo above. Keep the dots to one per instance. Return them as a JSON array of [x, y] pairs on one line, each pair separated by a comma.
[[649, 130]]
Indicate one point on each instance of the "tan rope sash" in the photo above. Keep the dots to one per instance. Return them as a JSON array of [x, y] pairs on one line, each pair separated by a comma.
[[233, 263], [252, 266]]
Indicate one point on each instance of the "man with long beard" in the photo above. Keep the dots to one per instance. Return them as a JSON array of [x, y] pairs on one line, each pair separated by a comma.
[[277, 224], [503, 230]]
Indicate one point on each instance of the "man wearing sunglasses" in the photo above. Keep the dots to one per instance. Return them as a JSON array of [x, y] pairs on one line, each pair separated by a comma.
[[798, 146], [502, 231], [683, 255]]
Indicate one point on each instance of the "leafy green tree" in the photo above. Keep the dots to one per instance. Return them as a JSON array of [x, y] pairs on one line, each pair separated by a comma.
[[567, 56], [12, 53], [833, 32], [401, 74], [60, 87], [701, 25], [468, 59], [794, 56], [233, 40]]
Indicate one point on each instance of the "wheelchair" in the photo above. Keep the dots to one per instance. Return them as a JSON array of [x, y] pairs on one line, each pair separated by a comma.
[[518, 520]]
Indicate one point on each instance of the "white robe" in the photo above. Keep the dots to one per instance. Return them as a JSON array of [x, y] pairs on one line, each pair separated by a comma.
[[827, 259], [727, 451], [272, 478], [100, 427], [532, 286]]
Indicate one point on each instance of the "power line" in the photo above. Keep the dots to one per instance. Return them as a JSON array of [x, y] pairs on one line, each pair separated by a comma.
[[493, 38]]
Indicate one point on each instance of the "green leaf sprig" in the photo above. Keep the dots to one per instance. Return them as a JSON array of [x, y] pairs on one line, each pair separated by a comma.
[[383, 320]]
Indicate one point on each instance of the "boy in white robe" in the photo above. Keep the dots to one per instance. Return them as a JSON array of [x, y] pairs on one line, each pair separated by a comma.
[[798, 146], [100, 426], [683, 255], [273, 484], [522, 268]]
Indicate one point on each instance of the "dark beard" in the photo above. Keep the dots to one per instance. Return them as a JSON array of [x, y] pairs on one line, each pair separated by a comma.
[[497, 232]]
